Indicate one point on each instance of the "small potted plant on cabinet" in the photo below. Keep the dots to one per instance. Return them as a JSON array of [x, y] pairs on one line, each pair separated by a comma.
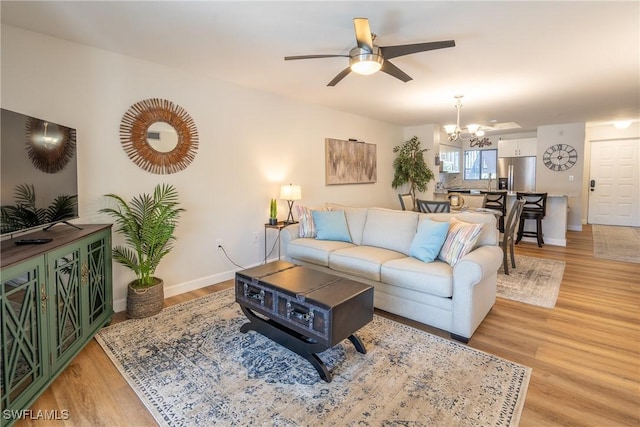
[[148, 224]]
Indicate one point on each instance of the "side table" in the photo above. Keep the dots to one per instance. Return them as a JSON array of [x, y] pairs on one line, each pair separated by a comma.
[[278, 226]]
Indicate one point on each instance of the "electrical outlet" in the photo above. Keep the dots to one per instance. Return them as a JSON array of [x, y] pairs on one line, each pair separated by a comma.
[[219, 244], [256, 237]]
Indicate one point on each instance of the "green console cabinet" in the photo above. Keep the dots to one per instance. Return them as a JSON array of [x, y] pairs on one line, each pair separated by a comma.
[[54, 298]]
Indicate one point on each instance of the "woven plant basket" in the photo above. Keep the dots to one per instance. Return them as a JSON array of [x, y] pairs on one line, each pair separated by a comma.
[[145, 302]]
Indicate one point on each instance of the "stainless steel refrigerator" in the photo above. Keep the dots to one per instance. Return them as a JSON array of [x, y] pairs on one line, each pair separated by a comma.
[[520, 173]]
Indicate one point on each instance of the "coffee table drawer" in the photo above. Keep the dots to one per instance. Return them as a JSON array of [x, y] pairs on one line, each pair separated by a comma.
[[308, 319], [254, 295]]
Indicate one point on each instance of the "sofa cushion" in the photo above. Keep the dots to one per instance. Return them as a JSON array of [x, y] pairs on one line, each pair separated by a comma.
[[356, 218], [461, 240], [435, 278], [307, 227], [428, 240], [331, 225], [390, 229], [488, 235], [314, 251], [362, 261]]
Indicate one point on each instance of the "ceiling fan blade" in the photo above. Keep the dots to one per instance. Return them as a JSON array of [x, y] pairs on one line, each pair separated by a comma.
[[289, 58], [394, 71], [339, 77], [363, 34], [389, 52]]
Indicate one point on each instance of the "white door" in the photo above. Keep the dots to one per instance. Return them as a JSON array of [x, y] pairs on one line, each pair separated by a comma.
[[614, 193]]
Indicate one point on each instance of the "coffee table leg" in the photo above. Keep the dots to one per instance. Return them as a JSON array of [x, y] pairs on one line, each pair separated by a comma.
[[295, 342], [357, 343]]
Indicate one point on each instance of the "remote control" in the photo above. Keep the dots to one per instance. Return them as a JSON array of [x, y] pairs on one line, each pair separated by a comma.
[[32, 241]]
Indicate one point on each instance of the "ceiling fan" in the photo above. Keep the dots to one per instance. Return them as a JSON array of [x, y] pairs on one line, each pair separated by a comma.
[[367, 58]]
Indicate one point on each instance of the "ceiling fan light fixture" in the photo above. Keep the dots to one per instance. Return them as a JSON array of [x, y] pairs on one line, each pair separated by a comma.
[[364, 62]]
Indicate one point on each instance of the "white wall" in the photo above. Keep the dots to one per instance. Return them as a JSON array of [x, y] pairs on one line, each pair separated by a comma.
[[567, 182], [251, 142]]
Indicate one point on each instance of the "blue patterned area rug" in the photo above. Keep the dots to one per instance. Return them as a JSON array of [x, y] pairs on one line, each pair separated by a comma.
[[191, 366]]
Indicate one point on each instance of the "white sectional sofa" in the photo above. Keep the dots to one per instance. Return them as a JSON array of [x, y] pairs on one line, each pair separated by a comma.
[[455, 299]]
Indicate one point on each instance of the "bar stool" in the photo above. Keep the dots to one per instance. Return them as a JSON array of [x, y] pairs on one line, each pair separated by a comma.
[[497, 200], [535, 207]]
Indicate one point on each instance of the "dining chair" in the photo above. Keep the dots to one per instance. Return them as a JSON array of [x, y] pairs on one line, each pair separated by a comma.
[[406, 201], [474, 200], [507, 238], [497, 200], [432, 206]]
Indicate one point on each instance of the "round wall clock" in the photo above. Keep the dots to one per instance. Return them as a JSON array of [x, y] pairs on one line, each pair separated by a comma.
[[560, 157]]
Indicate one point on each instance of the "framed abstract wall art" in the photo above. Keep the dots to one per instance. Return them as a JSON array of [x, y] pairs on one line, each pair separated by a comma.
[[350, 162]]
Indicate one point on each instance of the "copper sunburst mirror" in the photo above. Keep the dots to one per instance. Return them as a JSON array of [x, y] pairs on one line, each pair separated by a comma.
[[159, 136]]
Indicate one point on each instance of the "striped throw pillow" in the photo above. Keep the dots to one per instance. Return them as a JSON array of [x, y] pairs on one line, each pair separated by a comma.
[[306, 228], [461, 238]]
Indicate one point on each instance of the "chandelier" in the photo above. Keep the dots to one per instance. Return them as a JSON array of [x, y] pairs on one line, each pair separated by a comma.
[[456, 132]]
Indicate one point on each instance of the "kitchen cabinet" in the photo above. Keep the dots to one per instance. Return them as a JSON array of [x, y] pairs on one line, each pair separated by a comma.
[[450, 159], [517, 147], [53, 299]]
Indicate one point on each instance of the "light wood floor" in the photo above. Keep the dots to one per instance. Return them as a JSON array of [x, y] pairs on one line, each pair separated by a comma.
[[585, 353]]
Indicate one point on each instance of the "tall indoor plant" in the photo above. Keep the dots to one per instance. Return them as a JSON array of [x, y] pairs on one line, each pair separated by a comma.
[[148, 224], [410, 167]]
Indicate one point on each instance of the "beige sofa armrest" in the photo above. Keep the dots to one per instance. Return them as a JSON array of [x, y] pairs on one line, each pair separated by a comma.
[[287, 234], [474, 288], [476, 265]]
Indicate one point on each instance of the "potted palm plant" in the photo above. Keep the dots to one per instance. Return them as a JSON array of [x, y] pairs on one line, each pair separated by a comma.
[[410, 167], [148, 224]]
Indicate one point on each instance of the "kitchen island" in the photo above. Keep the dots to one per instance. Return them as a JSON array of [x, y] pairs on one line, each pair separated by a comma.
[[554, 224]]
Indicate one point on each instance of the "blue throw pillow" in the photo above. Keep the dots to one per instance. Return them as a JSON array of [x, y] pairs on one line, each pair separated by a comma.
[[331, 225], [428, 240]]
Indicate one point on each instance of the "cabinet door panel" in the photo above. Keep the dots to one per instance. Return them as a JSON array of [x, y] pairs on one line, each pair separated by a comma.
[[96, 279], [528, 147], [66, 311], [23, 356], [507, 148]]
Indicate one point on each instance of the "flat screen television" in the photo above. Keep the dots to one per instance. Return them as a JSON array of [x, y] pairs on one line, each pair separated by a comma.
[[38, 173]]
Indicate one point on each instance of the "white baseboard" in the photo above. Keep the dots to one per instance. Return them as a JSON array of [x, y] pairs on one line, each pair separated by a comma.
[[180, 288], [574, 227], [547, 241]]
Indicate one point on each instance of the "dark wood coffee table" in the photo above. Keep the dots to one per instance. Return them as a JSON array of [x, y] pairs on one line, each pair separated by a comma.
[[305, 310]]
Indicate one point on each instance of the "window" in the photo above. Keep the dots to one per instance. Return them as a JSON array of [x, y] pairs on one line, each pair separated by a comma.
[[480, 164]]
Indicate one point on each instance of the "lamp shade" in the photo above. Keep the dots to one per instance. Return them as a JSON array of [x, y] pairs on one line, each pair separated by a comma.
[[290, 192], [473, 128], [450, 128]]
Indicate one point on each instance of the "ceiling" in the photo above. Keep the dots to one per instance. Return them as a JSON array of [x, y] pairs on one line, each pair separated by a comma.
[[528, 62]]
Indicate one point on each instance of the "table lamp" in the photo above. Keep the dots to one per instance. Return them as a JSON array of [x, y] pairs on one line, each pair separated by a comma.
[[290, 193]]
